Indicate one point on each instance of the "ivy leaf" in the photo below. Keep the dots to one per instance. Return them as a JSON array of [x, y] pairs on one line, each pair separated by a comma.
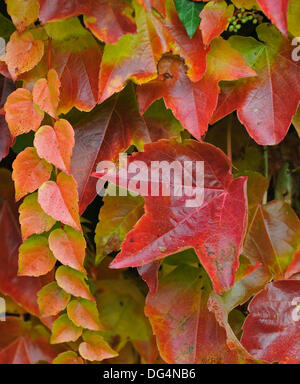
[[267, 103], [6, 140], [68, 357], [29, 172], [134, 56], [217, 241], [22, 115], [188, 12], [32, 218], [64, 331], [271, 330], [52, 300], [186, 332], [60, 200], [117, 217], [23, 12], [22, 343], [73, 282], [159, 5], [84, 314], [107, 19], [55, 144], [35, 257], [46, 93], [23, 53], [277, 12], [68, 247], [177, 90], [214, 20], [95, 348]]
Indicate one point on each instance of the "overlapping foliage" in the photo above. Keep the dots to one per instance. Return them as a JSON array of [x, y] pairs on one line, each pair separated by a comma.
[[163, 80]]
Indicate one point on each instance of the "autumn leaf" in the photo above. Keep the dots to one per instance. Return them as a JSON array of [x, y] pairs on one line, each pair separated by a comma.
[[107, 19], [46, 93], [271, 331], [35, 257], [68, 357], [64, 330], [95, 348], [60, 200], [32, 218], [29, 172], [68, 246], [22, 115], [134, 57], [277, 12], [267, 103], [214, 20], [159, 5], [84, 314], [55, 144], [6, 140], [52, 300], [23, 53], [176, 88], [23, 12], [73, 282], [186, 227]]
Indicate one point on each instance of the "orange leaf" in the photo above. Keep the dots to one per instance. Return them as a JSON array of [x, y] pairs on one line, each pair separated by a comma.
[[64, 331], [22, 115], [84, 314], [68, 357], [52, 300], [95, 348], [29, 172], [60, 200], [56, 144]]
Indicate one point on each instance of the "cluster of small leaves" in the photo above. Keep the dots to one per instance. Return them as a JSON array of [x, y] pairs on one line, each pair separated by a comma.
[[148, 77]]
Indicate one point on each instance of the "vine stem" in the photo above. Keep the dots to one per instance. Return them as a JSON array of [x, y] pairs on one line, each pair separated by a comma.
[[266, 165], [229, 148]]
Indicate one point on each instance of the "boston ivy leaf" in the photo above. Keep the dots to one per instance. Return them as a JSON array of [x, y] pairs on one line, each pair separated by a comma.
[[23, 12], [95, 348], [73, 282], [134, 56], [159, 5], [29, 172], [267, 103], [23, 53], [170, 226], [186, 331], [46, 93], [60, 200], [271, 331], [52, 300], [64, 331], [32, 218], [56, 144], [277, 12], [6, 140], [68, 357], [84, 313], [294, 266], [107, 19], [188, 12], [22, 343], [117, 217], [214, 19], [68, 246], [35, 257], [173, 84], [22, 115]]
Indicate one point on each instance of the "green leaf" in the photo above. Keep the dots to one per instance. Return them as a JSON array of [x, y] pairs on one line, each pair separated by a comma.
[[188, 12]]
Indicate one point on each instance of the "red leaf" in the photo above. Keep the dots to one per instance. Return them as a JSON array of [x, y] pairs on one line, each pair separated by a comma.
[[107, 19], [267, 103], [215, 229], [277, 12], [272, 329]]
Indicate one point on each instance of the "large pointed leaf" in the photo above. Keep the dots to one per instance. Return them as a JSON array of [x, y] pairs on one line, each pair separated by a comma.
[[215, 228], [272, 329], [267, 103]]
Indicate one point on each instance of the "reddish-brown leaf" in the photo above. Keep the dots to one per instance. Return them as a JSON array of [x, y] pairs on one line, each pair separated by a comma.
[[272, 329]]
